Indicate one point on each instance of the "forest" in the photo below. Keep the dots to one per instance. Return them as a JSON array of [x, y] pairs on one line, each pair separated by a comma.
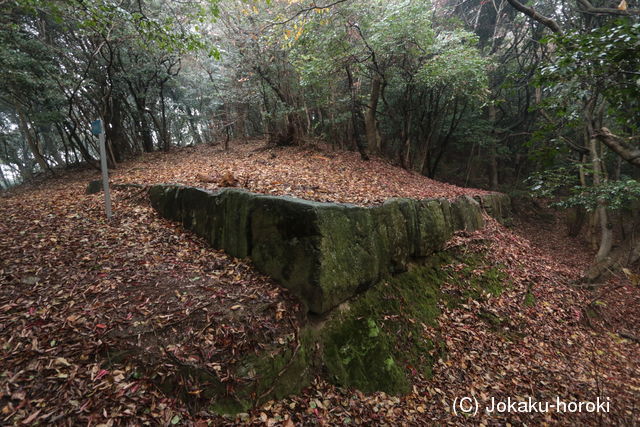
[[461, 175]]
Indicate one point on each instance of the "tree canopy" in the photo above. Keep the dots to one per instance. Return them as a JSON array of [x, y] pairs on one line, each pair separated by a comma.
[[476, 93]]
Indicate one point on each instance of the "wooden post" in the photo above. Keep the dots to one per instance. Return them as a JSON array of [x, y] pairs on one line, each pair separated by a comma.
[[97, 128]]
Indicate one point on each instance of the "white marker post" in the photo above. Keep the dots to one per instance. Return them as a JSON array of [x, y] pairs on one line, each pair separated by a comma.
[[97, 128]]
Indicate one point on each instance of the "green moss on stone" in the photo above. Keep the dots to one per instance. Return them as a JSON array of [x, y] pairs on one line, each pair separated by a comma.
[[466, 214], [228, 406], [324, 252], [357, 354], [270, 374], [377, 342], [497, 205], [475, 279], [94, 187], [347, 254], [334, 255], [286, 372]]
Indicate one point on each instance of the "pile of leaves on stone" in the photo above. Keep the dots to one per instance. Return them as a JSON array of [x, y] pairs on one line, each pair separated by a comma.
[[98, 317], [309, 173]]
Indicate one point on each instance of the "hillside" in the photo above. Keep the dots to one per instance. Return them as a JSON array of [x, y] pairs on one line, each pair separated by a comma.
[[98, 318]]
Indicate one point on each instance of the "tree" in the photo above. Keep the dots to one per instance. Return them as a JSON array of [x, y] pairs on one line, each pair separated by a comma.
[[593, 79], [66, 63]]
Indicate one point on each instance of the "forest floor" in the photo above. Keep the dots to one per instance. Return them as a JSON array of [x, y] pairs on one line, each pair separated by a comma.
[[77, 291]]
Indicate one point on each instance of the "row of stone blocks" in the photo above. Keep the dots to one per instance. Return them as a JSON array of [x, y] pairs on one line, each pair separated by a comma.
[[324, 252]]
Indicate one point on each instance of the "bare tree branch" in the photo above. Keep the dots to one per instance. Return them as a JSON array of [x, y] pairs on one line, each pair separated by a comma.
[[313, 6], [587, 7], [630, 154], [530, 12]]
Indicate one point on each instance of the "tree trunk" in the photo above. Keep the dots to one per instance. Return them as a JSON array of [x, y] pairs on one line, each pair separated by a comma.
[[575, 220], [619, 146], [307, 116], [114, 131], [370, 124], [31, 141], [493, 166], [405, 152], [356, 117], [3, 179], [333, 129], [164, 131], [493, 151], [624, 255], [50, 146], [226, 127], [241, 127], [63, 138], [75, 141], [606, 229], [293, 132], [145, 133], [197, 139]]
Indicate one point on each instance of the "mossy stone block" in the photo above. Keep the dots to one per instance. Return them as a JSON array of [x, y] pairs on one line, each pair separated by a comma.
[[285, 243], [94, 187], [326, 253], [466, 214], [347, 255], [497, 205]]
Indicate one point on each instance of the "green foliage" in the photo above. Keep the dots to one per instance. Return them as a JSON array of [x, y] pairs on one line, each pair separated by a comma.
[[396, 42], [550, 182], [64, 63], [615, 195], [283, 62], [562, 182], [456, 64], [159, 23], [607, 57]]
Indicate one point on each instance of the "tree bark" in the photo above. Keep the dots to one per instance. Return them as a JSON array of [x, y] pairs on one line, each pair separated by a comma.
[[4, 180], [370, 124], [293, 133], [114, 131], [624, 255], [145, 133], [50, 147], [618, 146], [74, 139], [493, 151], [31, 141], [197, 138], [356, 116], [606, 229], [240, 126], [530, 12], [164, 131]]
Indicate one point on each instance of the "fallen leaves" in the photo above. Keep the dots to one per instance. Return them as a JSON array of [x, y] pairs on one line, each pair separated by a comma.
[[86, 303], [308, 173]]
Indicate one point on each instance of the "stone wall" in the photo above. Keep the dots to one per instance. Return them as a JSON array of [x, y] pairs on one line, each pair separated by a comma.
[[324, 252]]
